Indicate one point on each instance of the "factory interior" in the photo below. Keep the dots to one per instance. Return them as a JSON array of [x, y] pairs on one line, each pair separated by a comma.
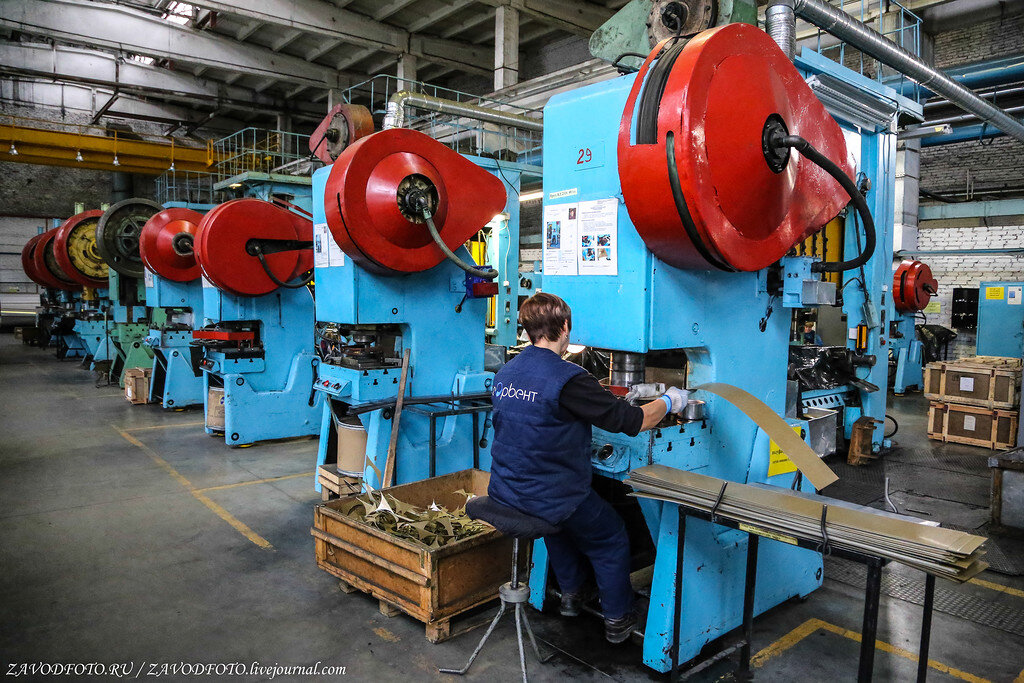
[[498, 340]]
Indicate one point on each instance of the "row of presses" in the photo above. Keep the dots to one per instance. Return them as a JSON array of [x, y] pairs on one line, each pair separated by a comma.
[[308, 305]]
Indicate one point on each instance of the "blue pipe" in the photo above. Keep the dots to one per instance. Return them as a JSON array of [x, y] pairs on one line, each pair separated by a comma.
[[975, 132]]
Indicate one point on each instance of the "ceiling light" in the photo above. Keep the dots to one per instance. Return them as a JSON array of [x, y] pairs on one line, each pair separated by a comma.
[[116, 162], [78, 157], [531, 196], [171, 167], [13, 150]]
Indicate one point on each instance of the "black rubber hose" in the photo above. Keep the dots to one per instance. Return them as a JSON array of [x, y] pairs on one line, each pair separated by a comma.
[[488, 274], [814, 156], [895, 427], [273, 278]]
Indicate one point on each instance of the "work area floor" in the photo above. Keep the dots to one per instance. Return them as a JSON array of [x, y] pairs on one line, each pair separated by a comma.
[[129, 535]]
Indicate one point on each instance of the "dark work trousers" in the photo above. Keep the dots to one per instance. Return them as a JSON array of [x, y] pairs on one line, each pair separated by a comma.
[[595, 532]]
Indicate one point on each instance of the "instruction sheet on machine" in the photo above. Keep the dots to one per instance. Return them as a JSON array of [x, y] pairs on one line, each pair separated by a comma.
[[326, 251], [581, 238]]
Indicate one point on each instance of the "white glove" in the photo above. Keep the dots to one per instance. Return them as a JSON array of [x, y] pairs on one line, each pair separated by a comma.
[[679, 397], [638, 392]]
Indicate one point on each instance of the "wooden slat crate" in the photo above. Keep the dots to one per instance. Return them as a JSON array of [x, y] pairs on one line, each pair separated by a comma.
[[431, 585], [972, 425], [334, 483], [987, 381]]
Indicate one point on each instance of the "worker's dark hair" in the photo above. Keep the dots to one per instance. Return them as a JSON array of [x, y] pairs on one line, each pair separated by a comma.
[[543, 316]]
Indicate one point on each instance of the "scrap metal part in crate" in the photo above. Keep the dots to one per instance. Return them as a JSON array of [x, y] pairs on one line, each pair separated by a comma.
[[434, 585]]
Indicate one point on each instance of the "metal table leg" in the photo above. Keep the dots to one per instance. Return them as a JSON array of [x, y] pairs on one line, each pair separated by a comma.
[[433, 445], [744, 673], [869, 631], [926, 628], [678, 616], [476, 442]]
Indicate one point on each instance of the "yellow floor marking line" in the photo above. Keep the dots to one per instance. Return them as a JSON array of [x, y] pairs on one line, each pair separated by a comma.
[[387, 635], [811, 625], [256, 481], [177, 424], [238, 525], [997, 587]]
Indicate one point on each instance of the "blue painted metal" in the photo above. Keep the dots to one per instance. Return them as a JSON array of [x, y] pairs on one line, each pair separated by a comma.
[[983, 209], [267, 395], [446, 350], [1000, 319], [908, 352], [978, 132], [714, 317]]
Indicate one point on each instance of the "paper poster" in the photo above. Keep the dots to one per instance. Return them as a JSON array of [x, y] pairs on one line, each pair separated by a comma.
[[326, 251], [1013, 295], [778, 461], [147, 277], [207, 284], [933, 306], [598, 249], [970, 423], [966, 384], [996, 293], [560, 238]]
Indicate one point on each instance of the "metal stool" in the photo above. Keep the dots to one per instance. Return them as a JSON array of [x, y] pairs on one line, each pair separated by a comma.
[[518, 525]]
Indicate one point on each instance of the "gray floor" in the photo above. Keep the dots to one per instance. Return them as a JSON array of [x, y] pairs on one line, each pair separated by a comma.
[[115, 548]]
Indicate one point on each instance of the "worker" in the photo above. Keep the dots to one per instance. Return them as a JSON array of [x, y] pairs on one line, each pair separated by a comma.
[[810, 335], [544, 408]]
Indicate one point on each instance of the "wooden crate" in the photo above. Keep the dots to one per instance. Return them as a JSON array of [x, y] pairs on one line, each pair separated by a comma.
[[136, 385], [987, 381], [971, 425], [433, 586], [335, 483]]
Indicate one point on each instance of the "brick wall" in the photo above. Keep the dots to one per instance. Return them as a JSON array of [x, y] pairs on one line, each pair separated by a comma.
[[995, 164], [968, 270], [1000, 37]]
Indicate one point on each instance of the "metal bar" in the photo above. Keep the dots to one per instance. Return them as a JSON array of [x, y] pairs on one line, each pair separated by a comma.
[[870, 42], [433, 444], [677, 616], [476, 441], [402, 100], [926, 628], [748, 606], [870, 629]]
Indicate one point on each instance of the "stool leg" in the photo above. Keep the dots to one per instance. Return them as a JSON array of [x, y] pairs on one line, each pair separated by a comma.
[[533, 639], [480, 645], [519, 640]]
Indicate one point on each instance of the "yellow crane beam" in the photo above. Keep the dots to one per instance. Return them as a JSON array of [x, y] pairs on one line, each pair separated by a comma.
[[38, 145]]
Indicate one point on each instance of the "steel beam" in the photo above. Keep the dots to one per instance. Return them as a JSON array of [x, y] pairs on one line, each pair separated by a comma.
[[574, 16], [119, 28], [77, 65], [324, 19], [989, 209]]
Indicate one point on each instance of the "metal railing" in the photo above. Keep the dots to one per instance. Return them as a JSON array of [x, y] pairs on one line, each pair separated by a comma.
[[897, 24], [193, 187], [462, 134], [259, 150]]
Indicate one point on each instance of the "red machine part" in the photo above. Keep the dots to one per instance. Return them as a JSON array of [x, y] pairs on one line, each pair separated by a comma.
[[224, 335], [343, 125], [166, 244], [46, 266], [912, 286], [728, 208], [226, 231], [28, 260], [80, 228], [365, 200]]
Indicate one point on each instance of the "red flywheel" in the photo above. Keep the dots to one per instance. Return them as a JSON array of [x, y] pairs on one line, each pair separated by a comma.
[[46, 265], [74, 247], [167, 244], [226, 235], [366, 200], [913, 286], [695, 177], [28, 260]]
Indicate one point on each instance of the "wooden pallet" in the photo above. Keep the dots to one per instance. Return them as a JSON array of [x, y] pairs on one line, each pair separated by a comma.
[[971, 425]]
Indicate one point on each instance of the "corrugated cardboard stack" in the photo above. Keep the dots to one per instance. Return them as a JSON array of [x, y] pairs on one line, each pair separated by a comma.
[[974, 401]]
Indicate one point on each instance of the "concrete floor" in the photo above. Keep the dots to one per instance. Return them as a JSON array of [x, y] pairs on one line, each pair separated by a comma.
[[129, 535]]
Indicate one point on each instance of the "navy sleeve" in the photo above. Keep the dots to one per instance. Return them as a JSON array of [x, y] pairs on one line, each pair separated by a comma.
[[585, 399]]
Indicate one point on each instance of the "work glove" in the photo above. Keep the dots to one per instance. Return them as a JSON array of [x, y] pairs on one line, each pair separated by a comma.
[[679, 397], [639, 392]]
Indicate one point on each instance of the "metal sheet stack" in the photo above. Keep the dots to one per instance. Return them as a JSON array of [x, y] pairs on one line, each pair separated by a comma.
[[943, 552]]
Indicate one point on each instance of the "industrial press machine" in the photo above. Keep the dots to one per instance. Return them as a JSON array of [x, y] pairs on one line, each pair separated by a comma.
[[672, 200], [912, 287]]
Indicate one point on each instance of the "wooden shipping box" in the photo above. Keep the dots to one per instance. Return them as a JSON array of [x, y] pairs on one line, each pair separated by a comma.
[[136, 385], [971, 425], [987, 381], [431, 585]]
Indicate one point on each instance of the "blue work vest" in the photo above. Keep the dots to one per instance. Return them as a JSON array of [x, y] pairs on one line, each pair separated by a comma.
[[541, 454]]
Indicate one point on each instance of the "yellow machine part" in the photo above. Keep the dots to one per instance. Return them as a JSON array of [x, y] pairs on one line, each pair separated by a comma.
[[82, 249], [88, 294], [826, 244], [478, 250]]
